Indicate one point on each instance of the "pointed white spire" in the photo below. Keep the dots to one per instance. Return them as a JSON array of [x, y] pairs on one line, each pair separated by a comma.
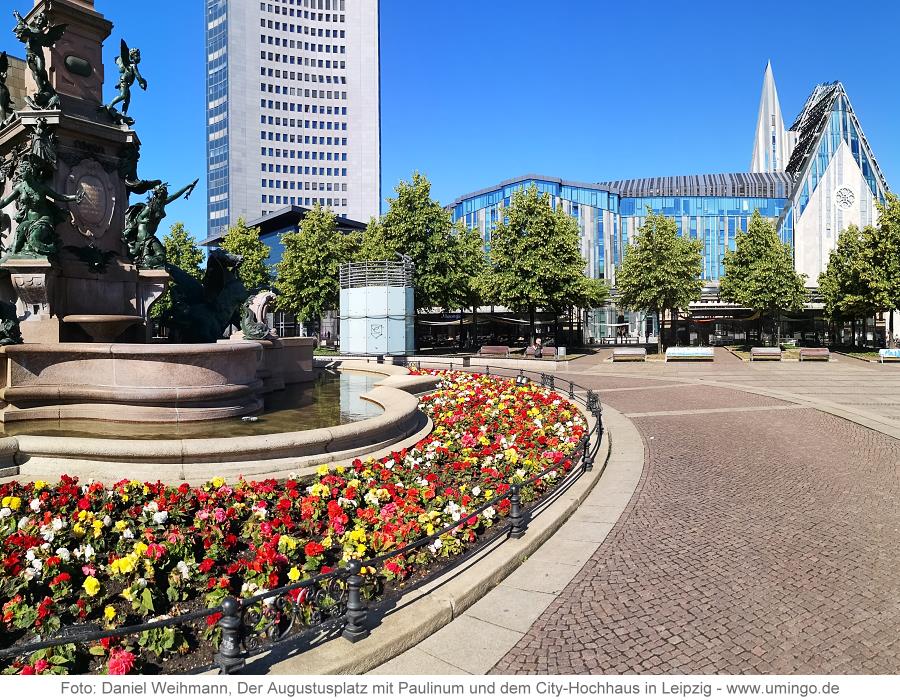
[[770, 145]]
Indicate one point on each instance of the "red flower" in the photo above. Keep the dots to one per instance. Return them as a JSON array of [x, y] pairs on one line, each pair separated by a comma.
[[313, 549], [27, 671], [206, 565], [120, 662]]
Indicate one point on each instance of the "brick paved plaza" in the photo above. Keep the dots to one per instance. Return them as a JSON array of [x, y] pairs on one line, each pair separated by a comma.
[[763, 537]]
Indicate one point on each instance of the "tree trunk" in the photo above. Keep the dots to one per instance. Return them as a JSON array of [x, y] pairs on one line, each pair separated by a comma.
[[865, 335], [474, 343], [778, 329], [660, 314], [853, 333], [531, 324], [890, 341]]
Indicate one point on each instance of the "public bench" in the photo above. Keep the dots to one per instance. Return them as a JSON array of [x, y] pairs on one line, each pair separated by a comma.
[[815, 354], [690, 353], [629, 355], [765, 354], [889, 355], [494, 351]]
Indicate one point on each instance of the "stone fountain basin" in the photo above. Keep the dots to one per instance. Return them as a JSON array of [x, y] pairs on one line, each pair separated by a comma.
[[130, 382], [103, 328], [196, 460]]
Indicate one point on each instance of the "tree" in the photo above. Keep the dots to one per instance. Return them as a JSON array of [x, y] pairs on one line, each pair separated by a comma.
[[467, 273], [535, 258], [254, 270], [183, 251], [307, 274], [417, 226], [760, 274], [857, 282], [887, 255], [660, 270]]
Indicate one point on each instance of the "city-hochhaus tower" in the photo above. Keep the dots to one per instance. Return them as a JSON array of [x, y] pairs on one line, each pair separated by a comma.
[[293, 108]]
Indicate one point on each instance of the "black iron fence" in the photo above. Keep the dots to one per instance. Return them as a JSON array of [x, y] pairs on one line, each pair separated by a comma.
[[339, 600]]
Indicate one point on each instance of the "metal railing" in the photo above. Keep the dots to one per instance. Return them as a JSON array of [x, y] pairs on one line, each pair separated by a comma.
[[337, 599]]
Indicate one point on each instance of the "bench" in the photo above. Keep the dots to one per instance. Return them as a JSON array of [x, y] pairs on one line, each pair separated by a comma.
[[629, 355], [494, 351], [889, 355], [815, 354], [690, 353], [765, 354]]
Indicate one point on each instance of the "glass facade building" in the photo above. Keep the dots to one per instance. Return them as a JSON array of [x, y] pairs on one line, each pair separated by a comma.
[[811, 181]]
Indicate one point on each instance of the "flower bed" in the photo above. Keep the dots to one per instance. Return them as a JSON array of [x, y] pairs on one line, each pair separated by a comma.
[[122, 554]]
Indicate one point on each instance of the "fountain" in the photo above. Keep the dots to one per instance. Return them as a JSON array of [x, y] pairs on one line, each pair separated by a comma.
[[84, 267]]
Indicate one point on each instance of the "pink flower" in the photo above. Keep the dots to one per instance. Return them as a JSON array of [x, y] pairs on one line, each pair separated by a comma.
[[41, 665], [120, 662], [468, 440], [220, 515], [88, 570], [27, 671]]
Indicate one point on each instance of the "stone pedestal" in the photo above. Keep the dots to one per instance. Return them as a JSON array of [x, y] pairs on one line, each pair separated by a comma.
[[152, 284], [33, 281]]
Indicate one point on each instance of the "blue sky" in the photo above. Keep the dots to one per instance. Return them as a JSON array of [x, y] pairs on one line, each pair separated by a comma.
[[474, 92]]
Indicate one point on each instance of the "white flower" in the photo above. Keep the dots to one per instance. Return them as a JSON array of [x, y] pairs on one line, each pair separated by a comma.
[[128, 534], [161, 517], [435, 546], [371, 498], [151, 507], [37, 564], [29, 555], [63, 554], [88, 552], [489, 513], [35, 505], [107, 521], [476, 491], [5, 512], [141, 583]]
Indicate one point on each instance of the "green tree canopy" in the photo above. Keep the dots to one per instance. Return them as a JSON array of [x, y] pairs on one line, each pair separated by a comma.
[[887, 253], [660, 270], [535, 257], [182, 251], [760, 274], [307, 274], [254, 270], [417, 226]]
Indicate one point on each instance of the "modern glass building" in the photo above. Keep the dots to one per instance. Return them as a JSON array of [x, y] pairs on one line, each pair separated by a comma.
[[811, 180], [293, 108]]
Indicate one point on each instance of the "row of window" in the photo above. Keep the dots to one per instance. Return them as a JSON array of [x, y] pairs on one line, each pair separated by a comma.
[[306, 46], [315, 170], [294, 169], [284, 27], [291, 185], [302, 201], [316, 109], [304, 123]]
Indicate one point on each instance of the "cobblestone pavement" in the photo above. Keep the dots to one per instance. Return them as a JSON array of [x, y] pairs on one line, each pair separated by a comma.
[[758, 541]]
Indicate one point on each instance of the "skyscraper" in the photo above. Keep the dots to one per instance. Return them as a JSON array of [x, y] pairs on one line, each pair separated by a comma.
[[293, 108]]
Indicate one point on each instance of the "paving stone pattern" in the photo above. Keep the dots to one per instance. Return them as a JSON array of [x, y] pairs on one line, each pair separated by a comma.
[[756, 542]]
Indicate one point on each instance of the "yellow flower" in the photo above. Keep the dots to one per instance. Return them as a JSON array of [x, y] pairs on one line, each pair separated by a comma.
[[120, 525], [361, 549], [38, 485], [320, 490], [125, 498], [218, 482], [340, 469], [294, 574], [91, 586], [77, 529], [511, 455], [109, 612], [123, 565], [98, 527], [140, 548], [322, 470], [326, 542], [12, 502], [358, 535]]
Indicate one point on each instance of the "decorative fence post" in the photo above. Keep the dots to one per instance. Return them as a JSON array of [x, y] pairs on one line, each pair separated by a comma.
[[587, 457], [516, 518], [357, 611], [230, 657], [591, 400], [572, 390]]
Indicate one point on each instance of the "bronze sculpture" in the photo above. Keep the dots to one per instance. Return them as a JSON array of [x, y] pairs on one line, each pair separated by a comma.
[[127, 61], [6, 104], [37, 216], [142, 222], [10, 333], [128, 164], [201, 311], [37, 36]]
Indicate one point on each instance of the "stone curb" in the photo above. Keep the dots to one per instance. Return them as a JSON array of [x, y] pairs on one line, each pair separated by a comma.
[[423, 611]]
